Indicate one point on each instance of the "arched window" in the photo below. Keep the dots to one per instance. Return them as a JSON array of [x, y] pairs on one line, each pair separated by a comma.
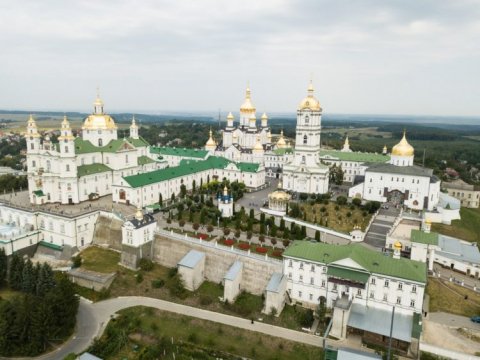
[[100, 142], [306, 119], [305, 138], [48, 165]]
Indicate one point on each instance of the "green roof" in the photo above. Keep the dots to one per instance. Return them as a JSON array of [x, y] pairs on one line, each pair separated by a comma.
[[422, 237], [186, 167], [140, 142], [248, 167], [39, 193], [142, 160], [416, 326], [354, 156], [84, 170], [283, 151], [50, 245], [344, 273], [373, 261], [85, 146], [182, 152]]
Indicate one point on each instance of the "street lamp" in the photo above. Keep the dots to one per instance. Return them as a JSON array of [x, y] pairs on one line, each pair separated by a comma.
[[218, 221]]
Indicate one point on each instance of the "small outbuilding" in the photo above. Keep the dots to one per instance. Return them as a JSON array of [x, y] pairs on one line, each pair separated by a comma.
[[192, 269], [231, 281], [275, 294]]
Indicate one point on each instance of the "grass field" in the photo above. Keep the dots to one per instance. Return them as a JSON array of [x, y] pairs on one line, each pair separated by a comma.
[[447, 297], [211, 340], [206, 297], [467, 228]]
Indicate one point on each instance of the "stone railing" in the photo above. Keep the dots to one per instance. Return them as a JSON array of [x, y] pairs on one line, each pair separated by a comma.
[[216, 245]]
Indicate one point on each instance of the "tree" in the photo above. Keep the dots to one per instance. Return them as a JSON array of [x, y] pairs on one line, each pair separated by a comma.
[[304, 232], [252, 214], [3, 267], [209, 228], [322, 309], [317, 235], [282, 224], [273, 241], [28, 278], [172, 198], [226, 231], [181, 223], [45, 280], [183, 191], [285, 243], [341, 200], [196, 226], [15, 274], [357, 202], [160, 199], [336, 175], [262, 218], [194, 185], [261, 238]]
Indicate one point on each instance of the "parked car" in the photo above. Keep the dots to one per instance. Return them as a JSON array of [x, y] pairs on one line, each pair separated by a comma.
[[475, 319]]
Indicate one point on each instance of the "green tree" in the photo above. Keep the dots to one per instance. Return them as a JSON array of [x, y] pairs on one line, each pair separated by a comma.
[[317, 235], [194, 186], [183, 191], [28, 278], [252, 214], [160, 199], [282, 224], [15, 274], [341, 200], [3, 267]]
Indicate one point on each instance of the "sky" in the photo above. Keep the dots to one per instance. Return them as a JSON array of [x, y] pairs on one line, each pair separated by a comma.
[[416, 57]]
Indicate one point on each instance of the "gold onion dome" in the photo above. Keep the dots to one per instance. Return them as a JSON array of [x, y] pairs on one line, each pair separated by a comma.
[[247, 105], [397, 245], [279, 194], [310, 102], [258, 145], [264, 116], [230, 116], [403, 148], [139, 214], [281, 141], [99, 120], [210, 141]]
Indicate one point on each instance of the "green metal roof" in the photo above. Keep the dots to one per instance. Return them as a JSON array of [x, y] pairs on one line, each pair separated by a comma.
[[142, 160], [373, 261], [140, 142], [186, 167], [39, 193], [50, 245], [416, 326], [354, 156], [283, 151], [182, 152], [422, 237], [85, 146], [90, 169], [349, 274]]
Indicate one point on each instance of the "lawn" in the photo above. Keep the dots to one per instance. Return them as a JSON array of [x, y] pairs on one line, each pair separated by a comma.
[[343, 219], [447, 297], [98, 259], [146, 329], [467, 228], [8, 294]]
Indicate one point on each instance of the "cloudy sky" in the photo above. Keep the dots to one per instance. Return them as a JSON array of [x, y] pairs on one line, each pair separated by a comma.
[[366, 56]]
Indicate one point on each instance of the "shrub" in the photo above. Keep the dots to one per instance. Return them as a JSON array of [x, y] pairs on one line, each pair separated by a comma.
[[176, 287], [277, 253], [249, 235], [286, 242], [196, 226], [77, 261], [205, 299], [357, 201], [244, 246], [145, 264], [341, 200], [157, 283], [261, 250], [226, 231], [139, 277], [209, 228], [172, 272], [261, 238]]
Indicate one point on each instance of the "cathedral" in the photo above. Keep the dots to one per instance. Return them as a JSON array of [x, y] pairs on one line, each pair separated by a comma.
[[80, 168]]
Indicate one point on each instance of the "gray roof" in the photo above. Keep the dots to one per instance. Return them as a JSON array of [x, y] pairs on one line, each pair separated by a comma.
[[456, 249], [402, 170], [446, 199], [274, 283], [191, 259], [234, 270], [88, 356], [377, 321], [350, 354], [98, 277]]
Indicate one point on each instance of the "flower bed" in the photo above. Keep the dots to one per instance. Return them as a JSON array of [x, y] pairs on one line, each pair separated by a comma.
[[228, 242], [277, 253], [261, 250], [202, 236], [244, 246]]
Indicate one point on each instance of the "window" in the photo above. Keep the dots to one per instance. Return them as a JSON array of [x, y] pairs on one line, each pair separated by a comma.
[[386, 283], [385, 297], [305, 139], [324, 269], [50, 225], [100, 142], [312, 268], [301, 278], [300, 294], [66, 149], [33, 163], [372, 294], [289, 263], [311, 281], [289, 275], [68, 167], [359, 292], [306, 119], [323, 283], [310, 297], [62, 228], [301, 265], [334, 287], [412, 303], [399, 300], [372, 281], [31, 146], [414, 288], [400, 286]]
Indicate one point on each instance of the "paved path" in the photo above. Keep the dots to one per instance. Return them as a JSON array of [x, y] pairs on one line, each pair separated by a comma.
[[453, 320], [93, 318], [450, 354]]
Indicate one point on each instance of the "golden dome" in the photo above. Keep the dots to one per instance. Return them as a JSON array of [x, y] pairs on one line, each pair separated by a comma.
[[134, 124], [264, 116], [139, 214], [279, 195], [385, 149], [403, 148], [281, 143], [99, 122], [428, 221], [247, 105], [230, 116], [310, 103], [211, 142], [258, 145], [397, 245]]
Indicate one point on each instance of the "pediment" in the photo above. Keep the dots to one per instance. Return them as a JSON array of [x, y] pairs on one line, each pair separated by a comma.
[[347, 262]]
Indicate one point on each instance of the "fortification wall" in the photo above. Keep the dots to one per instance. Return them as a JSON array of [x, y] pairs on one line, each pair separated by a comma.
[[108, 231], [169, 250]]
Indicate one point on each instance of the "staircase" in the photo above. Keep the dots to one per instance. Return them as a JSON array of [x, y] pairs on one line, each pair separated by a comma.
[[381, 225]]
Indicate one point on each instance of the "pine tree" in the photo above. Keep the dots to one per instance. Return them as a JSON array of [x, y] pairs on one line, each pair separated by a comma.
[[45, 281], [3, 267], [15, 274], [28, 281]]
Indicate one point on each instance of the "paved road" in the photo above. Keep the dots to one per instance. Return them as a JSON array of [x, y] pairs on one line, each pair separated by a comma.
[[93, 318], [453, 320]]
